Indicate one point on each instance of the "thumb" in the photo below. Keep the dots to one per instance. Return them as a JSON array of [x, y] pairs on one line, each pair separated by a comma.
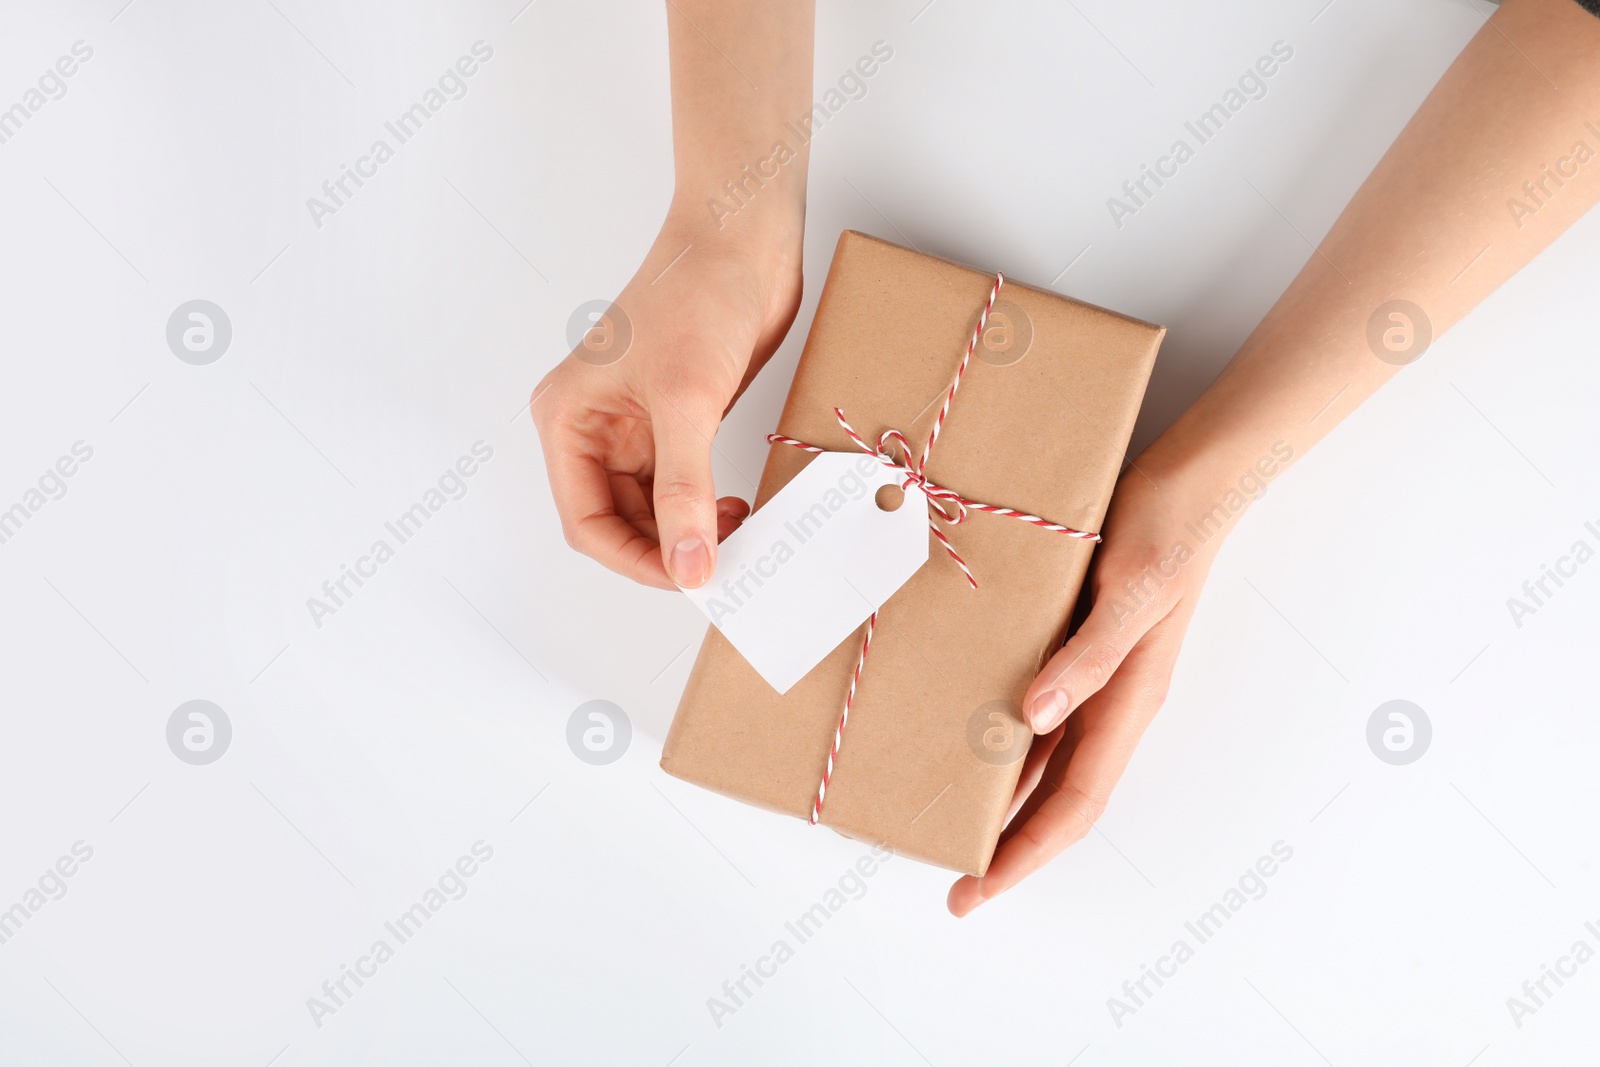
[[685, 501], [1087, 661]]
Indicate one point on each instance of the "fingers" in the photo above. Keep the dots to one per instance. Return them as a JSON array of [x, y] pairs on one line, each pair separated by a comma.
[[1033, 767], [1061, 810], [1088, 660], [686, 508], [731, 512], [632, 501], [595, 535], [1086, 764], [583, 496]]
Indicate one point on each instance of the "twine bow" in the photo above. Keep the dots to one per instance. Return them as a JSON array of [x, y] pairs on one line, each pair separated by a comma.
[[944, 504]]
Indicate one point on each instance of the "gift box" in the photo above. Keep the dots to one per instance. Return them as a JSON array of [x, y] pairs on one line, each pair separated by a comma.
[[935, 740]]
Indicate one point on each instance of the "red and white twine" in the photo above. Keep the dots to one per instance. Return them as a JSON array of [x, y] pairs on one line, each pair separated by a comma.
[[944, 505]]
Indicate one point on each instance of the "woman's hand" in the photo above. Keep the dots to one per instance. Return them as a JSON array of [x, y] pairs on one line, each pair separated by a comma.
[[627, 438], [1093, 700], [1408, 238]]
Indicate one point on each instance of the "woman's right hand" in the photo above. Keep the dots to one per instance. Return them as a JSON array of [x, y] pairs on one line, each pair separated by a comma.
[[627, 434]]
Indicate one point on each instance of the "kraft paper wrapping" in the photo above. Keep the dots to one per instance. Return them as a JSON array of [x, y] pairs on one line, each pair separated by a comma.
[[935, 741]]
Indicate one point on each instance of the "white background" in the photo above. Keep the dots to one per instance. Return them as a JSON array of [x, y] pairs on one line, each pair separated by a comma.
[[372, 751]]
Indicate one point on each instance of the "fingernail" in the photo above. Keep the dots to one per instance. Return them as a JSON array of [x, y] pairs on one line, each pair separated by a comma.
[[1048, 710], [959, 900], [690, 562]]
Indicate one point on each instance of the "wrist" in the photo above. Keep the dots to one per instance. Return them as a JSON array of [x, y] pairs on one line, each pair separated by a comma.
[[740, 206], [1206, 481], [765, 242]]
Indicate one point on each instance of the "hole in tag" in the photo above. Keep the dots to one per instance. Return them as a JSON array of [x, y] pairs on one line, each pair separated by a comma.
[[889, 497]]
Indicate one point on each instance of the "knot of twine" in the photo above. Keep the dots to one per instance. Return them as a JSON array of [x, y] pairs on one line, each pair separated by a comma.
[[944, 505]]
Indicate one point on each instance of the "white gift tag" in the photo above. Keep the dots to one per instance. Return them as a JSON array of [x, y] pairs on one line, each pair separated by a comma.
[[808, 568]]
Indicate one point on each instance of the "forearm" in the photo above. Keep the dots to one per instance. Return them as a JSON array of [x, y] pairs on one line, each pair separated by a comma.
[[741, 73], [1496, 163]]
